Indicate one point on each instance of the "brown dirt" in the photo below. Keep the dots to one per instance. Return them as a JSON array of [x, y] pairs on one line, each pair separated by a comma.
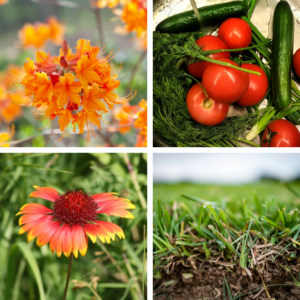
[[206, 282]]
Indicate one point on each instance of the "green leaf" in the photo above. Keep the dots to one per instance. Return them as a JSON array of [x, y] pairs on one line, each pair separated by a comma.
[[11, 272]]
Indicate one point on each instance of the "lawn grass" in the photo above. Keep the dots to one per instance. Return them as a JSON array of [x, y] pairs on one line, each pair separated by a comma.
[[266, 190], [227, 225]]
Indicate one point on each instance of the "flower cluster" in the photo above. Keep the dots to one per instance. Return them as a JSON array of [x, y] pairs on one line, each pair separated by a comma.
[[6, 136], [3, 2], [74, 217], [107, 3], [38, 34], [10, 96], [77, 88], [141, 124], [134, 15], [134, 115]]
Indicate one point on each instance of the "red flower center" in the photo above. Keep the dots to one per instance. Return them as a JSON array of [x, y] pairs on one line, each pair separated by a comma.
[[75, 207]]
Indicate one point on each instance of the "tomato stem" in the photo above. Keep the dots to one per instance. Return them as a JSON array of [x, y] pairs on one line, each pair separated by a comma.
[[222, 63], [238, 49], [198, 83]]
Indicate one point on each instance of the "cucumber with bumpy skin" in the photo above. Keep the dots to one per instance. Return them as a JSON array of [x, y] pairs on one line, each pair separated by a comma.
[[211, 15], [282, 54]]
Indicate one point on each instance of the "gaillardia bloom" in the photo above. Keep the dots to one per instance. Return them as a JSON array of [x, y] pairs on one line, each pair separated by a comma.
[[72, 219]]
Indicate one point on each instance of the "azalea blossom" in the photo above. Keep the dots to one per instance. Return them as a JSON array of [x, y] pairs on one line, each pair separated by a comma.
[[11, 96], [134, 15], [133, 116], [38, 34], [72, 219], [107, 3], [77, 88], [3, 2], [6, 136], [141, 124]]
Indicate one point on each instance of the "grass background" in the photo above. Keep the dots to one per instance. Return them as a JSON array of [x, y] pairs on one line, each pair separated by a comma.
[[114, 271], [267, 190]]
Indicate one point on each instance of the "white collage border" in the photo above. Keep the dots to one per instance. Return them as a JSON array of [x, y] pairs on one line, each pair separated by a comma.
[[150, 152]]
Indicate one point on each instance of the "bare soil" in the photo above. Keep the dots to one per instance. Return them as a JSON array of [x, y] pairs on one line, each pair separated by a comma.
[[206, 282]]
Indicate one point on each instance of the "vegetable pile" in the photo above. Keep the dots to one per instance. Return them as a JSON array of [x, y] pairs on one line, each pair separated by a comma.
[[199, 75]]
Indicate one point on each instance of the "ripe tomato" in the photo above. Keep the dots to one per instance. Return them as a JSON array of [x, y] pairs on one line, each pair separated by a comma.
[[225, 84], [236, 33], [208, 42], [205, 110], [281, 133], [258, 86], [296, 62]]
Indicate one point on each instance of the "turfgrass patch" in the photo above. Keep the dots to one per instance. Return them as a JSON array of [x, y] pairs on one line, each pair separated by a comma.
[[231, 248]]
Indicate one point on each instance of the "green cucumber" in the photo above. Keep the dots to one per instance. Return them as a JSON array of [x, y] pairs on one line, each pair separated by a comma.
[[282, 54], [211, 15]]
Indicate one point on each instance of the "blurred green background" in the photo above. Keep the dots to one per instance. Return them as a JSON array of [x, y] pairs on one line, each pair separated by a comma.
[[267, 190], [108, 271], [80, 24]]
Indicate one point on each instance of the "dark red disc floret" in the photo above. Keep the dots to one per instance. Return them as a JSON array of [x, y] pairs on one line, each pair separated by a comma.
[[75, 207]]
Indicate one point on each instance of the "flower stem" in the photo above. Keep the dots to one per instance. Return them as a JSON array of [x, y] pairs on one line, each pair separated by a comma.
[[68, 277]]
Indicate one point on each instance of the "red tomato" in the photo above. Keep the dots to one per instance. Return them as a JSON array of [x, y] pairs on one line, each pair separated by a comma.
[[225, 84], [258, 86], [236, 33], [208, 42], [205, 110], [296, 62], [281, 133]]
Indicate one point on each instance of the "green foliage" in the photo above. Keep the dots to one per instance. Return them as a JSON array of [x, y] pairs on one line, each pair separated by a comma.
[[119, 267]]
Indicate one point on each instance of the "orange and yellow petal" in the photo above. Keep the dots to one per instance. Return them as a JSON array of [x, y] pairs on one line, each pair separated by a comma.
[[111, 229], [39, 228], [45, 237], [34, 208], [46, 193], [94, 231], [79, 240], [113, 206], [29, 226]]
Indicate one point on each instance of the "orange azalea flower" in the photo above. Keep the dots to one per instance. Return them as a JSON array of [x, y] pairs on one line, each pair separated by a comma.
[[86, 71], [73, 218], [57, 31], [73, 87], [5, 136], [141, 124], [135, 16], [125, 116], [36, 35], [43, 91], [3, 2], [107, 3], [11, 97], [68, 90]]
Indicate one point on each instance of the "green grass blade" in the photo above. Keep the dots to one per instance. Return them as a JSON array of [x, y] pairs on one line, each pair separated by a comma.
[[31, 262]]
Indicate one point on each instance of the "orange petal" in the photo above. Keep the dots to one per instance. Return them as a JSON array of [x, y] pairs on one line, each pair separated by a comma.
[[61, 240], [45, 237], [111, 229], [113, 206], [46, 193], [39, 228], [79, 240], [67, 247], [54, 240], [34, 208], [94, 231]]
